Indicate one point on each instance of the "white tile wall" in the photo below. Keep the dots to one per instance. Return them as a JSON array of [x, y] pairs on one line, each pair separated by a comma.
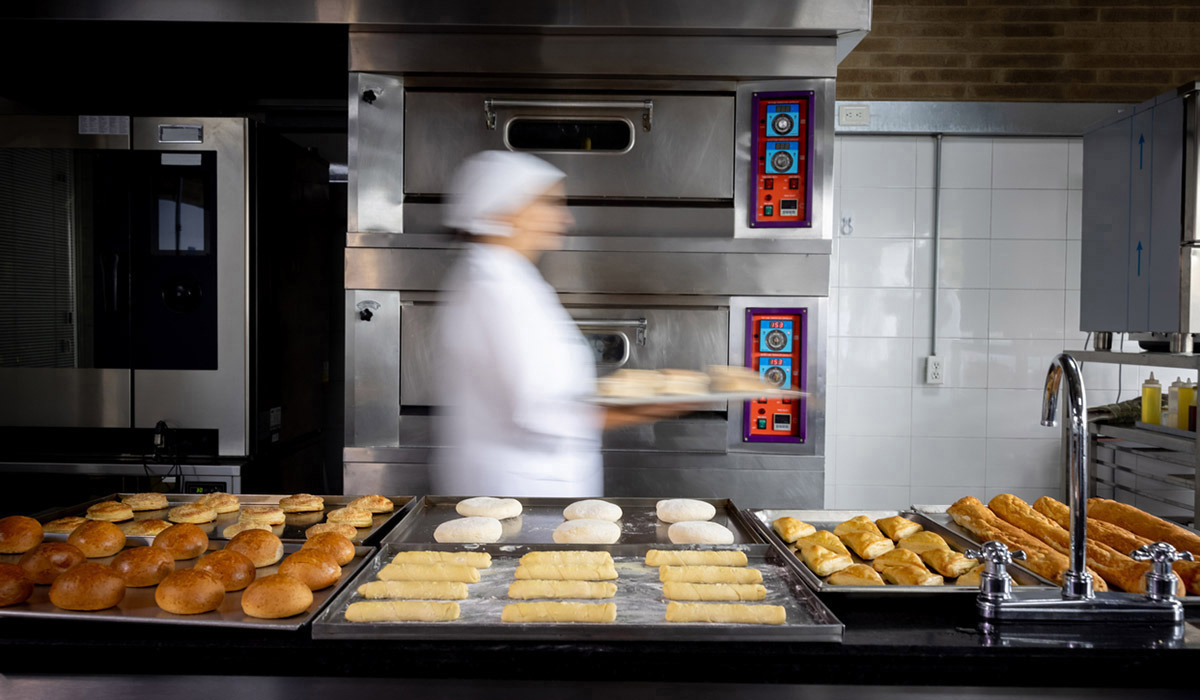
[[1030, 163], [871, 262], [876, 313], [878, 212], [1020, 364], [1038, 214], [952, 462], [1028, 264], [880, 362], [943, 412], [962, 313], [1026, 314], [879, 162], [967, 164], [966, 214]]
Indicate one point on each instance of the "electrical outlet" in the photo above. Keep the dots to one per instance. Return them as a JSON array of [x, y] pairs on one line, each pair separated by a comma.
[[935, 370], [854, 115]]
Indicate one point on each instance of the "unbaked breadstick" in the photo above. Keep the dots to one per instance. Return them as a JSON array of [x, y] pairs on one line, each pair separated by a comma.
[[561, 589], [727, 613], [479, 560], [709, 574], [566, 572], [690, 557], [402, 611], [581, 558], [559, 612], [677, 590], [413, 590], [429, 572]]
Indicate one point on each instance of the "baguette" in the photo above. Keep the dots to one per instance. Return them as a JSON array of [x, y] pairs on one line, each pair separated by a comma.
[[1142, 523], [867, 545]]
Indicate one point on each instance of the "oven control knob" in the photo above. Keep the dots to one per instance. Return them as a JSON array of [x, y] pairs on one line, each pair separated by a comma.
[[781, 161], [775, 376], [782, 123], [776, 340]]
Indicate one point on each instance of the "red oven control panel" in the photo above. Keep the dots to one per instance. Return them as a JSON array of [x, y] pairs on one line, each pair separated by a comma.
[[781, 184], [775, 347]]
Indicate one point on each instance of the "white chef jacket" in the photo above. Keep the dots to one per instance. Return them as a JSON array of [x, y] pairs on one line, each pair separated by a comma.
[[513, 373]]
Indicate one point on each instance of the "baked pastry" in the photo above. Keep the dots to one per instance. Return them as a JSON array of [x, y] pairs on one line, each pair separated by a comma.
[[183, 541], [726, 379], [733, 613], [897, 527], [708, 574], [271, 515], [143, 566], [419, 590], [678, 510], [859, 523], [374, 503], [702, 532], [527, 589], [479, 560], [220, 502], [923, 541], [948, 563], [677, 590], [566, 572], [333, 544], [275, 596], [559, 612], [856, 575], [823, 538], [593, 509], [45, 562], [402, 611], [64, 526], [351, 516], [629, 384], [145, 501], [190, 592], [487, 507], [15, 585], [301, 503], [348, 531], [689, 557], [88, 586], [97, 538], [867, 545], [191, 513], [112, 511], [313, 568], [144, 528], [567, 558], [238, 528], [896, 557], [474, 529], [824, 561], [1145, 525], [790, 529], [682, 382], [907, 575], [234, 569], [260, 546], [303, 519], [19, 534], [970, 578], [587, 532]]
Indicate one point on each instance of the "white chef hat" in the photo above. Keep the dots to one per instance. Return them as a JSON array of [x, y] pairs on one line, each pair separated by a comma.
[[490, 184]]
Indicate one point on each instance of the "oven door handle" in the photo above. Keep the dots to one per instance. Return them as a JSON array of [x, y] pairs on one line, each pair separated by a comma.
[[637, 323], [490, 106]]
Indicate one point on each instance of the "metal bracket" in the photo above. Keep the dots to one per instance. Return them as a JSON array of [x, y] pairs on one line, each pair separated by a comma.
[[639, 324]]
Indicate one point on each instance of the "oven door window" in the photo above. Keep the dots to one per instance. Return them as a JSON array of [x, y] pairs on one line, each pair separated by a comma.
[[569, 135]]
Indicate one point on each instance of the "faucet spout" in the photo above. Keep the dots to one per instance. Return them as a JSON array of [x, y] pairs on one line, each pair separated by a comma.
[[1077, 581]]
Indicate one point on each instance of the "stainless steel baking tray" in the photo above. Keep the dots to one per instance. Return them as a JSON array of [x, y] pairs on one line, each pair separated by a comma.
[[291, 531], [829, 519], [641, 609], [718, 397], [139, 606], [639, 523]]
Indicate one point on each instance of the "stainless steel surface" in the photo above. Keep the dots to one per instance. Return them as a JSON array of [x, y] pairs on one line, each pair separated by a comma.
[[1077, 581], [491, 106], [96, 398], [762, 519], [1102, 340], [937, 241], [640, 526], [687, 225], [1142, 359], [227, 473], [375, 182], [382, 477], [1026, 606], [373, 365], [1004, 119], [639, 602], [138, 604], [1181, 343], [649, 243], [1161, 580]]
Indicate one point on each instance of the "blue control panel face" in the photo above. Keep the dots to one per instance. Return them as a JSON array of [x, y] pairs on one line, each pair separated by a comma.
[[776, 371], [775, 336], [783, 120], [783, 157]]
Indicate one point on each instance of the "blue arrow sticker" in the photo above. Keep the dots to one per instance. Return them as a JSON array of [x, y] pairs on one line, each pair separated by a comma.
[[1139, 249]]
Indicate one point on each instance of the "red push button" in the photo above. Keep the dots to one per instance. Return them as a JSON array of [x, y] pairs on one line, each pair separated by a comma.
[[768, 184], [794, 183]]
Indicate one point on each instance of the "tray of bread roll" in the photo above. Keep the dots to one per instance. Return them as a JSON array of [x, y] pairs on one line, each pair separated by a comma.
[[577, 593], [877, 552], [254, 580], [620, 525], [1042, 530], [639, 387], [221, 515]]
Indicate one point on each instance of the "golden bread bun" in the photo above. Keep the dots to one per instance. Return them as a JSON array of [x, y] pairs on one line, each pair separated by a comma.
[[333, 544], [276, 596], [46, 561], [97, 539], [15, 585], [351, 516], [112, 511], [145, 501], [191, 513], [64, 526], [301, 503], [144, 528], [234, 569], [183, 541], [19, 534], [272, 515], [89, 586], [302, 519], [143, 566], [260, 546], [374, 503], [236, 529], [347, 531], [190, 592], [220, 502], [316, 569]]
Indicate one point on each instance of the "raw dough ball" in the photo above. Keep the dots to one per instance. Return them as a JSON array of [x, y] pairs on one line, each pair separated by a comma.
[[678, 510], [593, 509], [469, 530], [487, 507], [699, 533], [587, 532]]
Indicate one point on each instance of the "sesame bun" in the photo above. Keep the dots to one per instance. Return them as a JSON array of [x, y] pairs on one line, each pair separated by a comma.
[[143, 566], [236, 529], [374, 503], [351, 516], [144, 528], [145, 501], [272, 515], [183, 541], [97, 539], [234, 569], [112, 511], [347, 531], [314, 568], [220, 502], [261, 547], [64, 526], [191, 513], [190, 592], [276, 596], [89, 586], [333, 544], [19, 534], [15, 585], [301, 503], [46, 561]]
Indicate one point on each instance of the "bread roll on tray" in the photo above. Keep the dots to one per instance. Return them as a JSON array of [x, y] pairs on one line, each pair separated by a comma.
[[46, 561], [15, 585], [19, 534], [89, 586], [276, 596]]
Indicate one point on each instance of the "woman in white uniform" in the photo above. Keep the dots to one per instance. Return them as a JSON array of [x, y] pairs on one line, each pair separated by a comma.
[[514, 370]]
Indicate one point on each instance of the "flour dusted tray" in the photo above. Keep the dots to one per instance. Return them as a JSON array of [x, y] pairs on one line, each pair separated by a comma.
[[641, 609], [639, 522]]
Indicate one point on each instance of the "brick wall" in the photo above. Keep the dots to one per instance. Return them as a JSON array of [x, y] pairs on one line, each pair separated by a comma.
[[1014, 50]]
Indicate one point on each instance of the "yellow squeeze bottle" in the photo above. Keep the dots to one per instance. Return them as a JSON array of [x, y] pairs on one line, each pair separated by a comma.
[[1187, 396], [1152, 401]]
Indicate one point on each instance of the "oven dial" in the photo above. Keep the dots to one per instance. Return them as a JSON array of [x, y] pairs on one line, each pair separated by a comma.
[[781, 161], [775, 376], [776, 340], [782, 124]]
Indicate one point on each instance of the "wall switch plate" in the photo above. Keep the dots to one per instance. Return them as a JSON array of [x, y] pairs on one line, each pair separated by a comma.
[[854, 115], [935, 370]]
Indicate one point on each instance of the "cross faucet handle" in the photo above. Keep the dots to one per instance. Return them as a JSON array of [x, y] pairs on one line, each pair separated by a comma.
[[1161, 582], [995, 553], [995, 583]]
